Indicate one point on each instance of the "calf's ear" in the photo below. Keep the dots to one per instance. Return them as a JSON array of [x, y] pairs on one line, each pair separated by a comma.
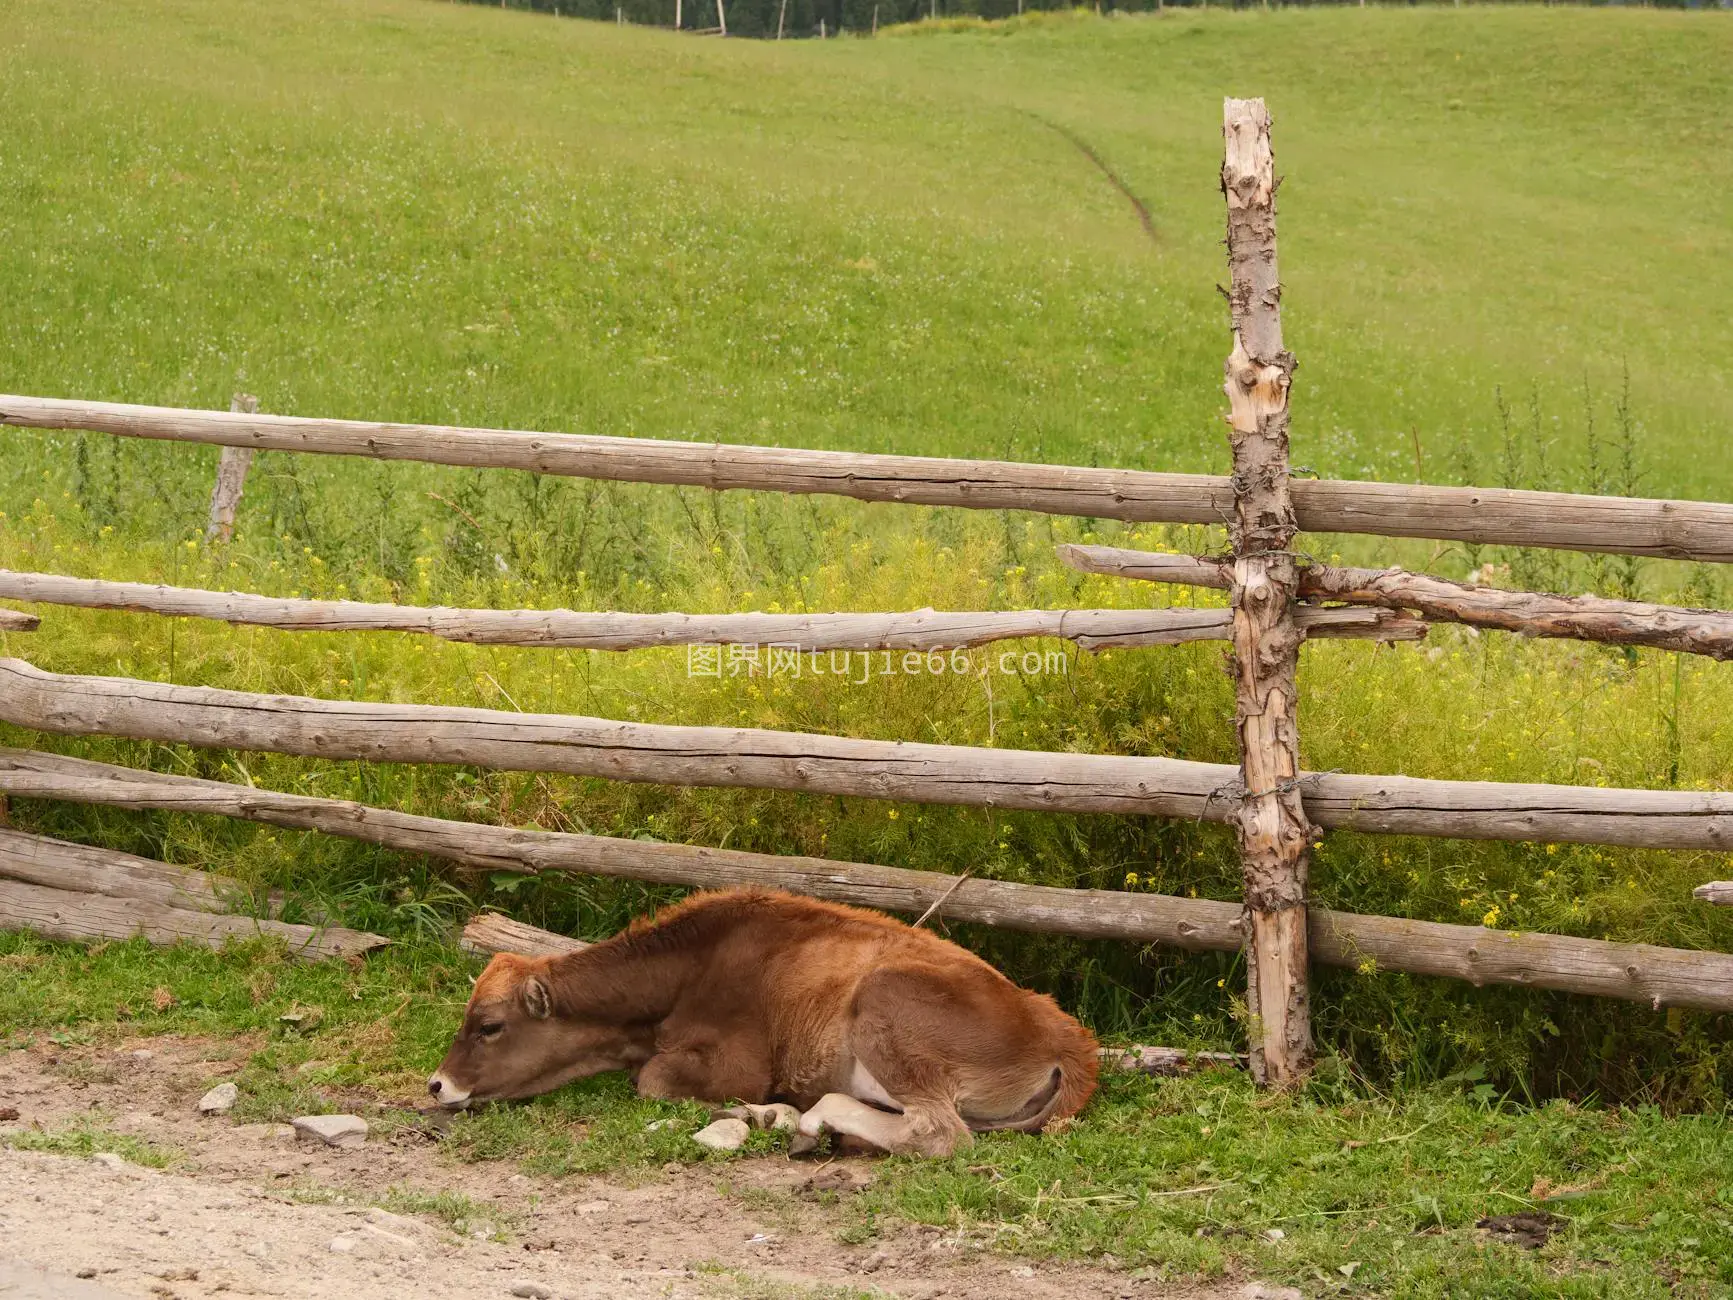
[[536, 998]]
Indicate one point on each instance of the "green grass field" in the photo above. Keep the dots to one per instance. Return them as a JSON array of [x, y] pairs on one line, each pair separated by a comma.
[[1342, 1189], [1507, 242]]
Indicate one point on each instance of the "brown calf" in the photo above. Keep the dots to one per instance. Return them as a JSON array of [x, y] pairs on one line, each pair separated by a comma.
[[872, 1029]]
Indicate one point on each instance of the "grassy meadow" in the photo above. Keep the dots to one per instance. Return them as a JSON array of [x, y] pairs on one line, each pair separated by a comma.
[[1340, 1190], [1507, 242]]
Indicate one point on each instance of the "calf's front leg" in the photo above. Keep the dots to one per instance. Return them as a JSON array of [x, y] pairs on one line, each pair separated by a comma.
[[703, 1074], [923, 1128]]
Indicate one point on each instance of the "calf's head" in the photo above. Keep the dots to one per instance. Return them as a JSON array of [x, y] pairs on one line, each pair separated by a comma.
[[517, 1040]]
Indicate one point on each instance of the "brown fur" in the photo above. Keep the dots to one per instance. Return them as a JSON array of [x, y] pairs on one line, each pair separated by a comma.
[[873, 1028]]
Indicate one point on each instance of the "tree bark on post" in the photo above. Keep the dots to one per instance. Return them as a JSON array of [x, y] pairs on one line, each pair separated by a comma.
[[1272, 825], [232, 469]]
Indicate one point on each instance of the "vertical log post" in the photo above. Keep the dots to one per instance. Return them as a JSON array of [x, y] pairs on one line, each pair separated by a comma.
[[231, 478], [1273, 830]]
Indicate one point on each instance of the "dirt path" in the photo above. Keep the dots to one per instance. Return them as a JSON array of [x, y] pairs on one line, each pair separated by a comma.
[[249, 1211]]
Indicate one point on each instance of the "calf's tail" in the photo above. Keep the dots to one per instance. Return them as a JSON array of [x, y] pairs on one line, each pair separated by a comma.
[[1067, 1090]]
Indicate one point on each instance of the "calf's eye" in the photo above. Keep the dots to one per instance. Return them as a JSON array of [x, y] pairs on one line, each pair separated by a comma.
[[492, 1029]]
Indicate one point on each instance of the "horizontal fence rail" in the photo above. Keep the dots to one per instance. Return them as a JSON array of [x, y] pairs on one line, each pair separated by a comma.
[[56, 864], [797, 761], [77, 892], [916, 630], [1685, 530], [1637, 972], [1583, 618], [486, 933]]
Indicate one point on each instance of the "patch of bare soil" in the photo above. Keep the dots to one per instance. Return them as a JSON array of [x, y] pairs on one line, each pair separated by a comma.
[[250, 1211]]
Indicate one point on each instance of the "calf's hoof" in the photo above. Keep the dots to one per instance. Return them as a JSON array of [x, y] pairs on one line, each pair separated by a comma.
[[804, 1144]]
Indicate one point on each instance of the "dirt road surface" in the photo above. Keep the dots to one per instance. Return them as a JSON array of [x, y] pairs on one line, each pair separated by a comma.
[[247, 1210]]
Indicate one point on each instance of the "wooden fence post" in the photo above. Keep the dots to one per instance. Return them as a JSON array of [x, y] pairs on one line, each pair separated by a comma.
[[231, 477], [1272, 825]]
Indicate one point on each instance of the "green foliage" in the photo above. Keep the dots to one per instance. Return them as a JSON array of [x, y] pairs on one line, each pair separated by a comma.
[[441, 213], [1180, 1176], [88, 1136], [1200, 1175], [462, 1214]]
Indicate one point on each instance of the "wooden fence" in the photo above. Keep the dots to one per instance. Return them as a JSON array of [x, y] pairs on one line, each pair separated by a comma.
[[1274, 606]]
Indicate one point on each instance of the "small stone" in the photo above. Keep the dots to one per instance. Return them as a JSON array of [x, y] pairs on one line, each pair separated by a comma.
[[1264, 1291], [672, 1167], [342, 1244], [1274, 1234], [594, 1207], [220, 1100], [85, 1273], [8, 1112], [403, 1245], [657, 1125], [142, 1054], [875, 1261], [530, 1290], [723, 1135], [386, 1219], [342, 1131], [109, 1161], [1022, 1270]]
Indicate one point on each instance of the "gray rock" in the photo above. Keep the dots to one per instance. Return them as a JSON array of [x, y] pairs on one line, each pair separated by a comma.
[[342, 1244], [398, 1244], [342, 1131], [723, 1135], [530, 1290], [1265, 1291], [109, 1161], [220, 1100], [380, 1218]]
